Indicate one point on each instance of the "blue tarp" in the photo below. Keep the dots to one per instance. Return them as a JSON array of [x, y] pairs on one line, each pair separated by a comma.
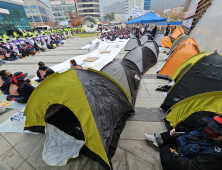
[[171, 23]]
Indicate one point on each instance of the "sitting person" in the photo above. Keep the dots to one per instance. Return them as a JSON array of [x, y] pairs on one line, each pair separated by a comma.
[[49, 72], [20, 89], [10, 55], [41, 72], [121, 36], [75, 65], [198, 149], [5, 81], [49, 46], [111, 38]]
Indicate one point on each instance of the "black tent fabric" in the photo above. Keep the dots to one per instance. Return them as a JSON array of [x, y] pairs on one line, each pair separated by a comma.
[[145, 38], [143, 57], [180, 39], [133, 77], [204, 76], [132, 43], [109, 105], [153, 46]]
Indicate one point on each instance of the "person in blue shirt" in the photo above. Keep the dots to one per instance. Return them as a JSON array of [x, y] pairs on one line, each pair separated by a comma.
[[5, 81], [200, 148]]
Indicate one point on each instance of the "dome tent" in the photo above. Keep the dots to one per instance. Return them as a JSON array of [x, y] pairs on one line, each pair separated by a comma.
[[145, 38], [98, 103], [158, 38], [143, 57], [132, 43], [202, 77], [167, 42], [153, 46], [182, 52]]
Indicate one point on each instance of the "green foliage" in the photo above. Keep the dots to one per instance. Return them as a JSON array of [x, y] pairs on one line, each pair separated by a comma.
[[110, 17]]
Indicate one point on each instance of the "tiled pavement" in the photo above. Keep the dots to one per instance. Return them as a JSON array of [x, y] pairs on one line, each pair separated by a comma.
[[22, 151]]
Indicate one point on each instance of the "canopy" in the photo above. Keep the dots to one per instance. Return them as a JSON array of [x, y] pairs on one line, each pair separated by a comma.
[[132, 21], [149, 17]]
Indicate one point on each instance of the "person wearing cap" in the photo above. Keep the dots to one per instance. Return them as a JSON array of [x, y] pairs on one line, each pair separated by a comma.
[[200, 148], [20, 89], [41, 72], [5, 77]]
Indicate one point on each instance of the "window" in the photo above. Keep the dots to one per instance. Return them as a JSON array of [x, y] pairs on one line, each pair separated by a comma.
[[55, 14], [57, 8], [60, 14], [64, 8], [71, 7], [33, 8], [37, 18]]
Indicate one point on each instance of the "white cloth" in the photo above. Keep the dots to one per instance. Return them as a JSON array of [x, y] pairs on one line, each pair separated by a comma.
[[59, 146]]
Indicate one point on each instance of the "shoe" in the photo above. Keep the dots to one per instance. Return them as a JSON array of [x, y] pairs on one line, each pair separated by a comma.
[[2, 109], [152, 139]]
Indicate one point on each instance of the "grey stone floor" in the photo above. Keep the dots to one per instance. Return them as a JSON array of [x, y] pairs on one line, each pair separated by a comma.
[[22, 151]]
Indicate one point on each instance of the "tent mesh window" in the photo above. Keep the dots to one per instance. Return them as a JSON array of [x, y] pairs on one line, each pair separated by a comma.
[[211, 71]]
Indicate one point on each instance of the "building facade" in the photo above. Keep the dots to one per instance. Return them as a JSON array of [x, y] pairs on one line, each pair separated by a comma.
[[13, 16], [126, 7], [147, 4], [60, 9], [37, 11], [143, 4], [88, 7]]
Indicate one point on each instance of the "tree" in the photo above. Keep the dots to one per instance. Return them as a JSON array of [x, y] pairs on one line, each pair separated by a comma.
[[110, 17], [75, 20], [107, 16], [51, 24]]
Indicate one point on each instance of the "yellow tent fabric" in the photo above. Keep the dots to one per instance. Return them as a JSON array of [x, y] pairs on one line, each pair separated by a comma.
[[191, 60], [178, 39], [210, 102], [73, 97]]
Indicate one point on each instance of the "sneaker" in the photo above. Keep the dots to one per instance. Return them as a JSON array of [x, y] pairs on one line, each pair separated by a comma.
[[152, 139], [2, 109]]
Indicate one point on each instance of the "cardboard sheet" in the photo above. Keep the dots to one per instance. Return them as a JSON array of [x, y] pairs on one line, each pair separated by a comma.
[[91, 59]]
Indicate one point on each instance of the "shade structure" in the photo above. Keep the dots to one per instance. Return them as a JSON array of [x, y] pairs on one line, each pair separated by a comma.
[[133, 77], [202, 77], [184, 51], [153, 46], [97, 102], [132, 43], [143, 57], [132, 21], [149, 17], [145, 38]]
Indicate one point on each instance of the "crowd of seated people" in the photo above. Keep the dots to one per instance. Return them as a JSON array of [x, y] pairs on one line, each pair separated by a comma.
[[120, 33]]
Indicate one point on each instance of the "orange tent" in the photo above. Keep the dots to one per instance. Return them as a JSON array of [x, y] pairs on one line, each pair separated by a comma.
[[167, 42], [177, 32], [179, 55]]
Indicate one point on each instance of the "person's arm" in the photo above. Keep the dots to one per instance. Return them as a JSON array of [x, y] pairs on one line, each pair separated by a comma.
[[38, 74], [185, 128], [28, 88], [201, 162]]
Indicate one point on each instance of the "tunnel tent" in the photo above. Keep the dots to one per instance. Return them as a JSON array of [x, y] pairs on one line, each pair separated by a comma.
[[84, 104], [145, 38], [115, 70], [153, 46], [143, 57], [132, 43], [205, 75], [133, 77], [158, 39], [178, 41], [191, 110], [185, 65], [167, 42], [186, 50]]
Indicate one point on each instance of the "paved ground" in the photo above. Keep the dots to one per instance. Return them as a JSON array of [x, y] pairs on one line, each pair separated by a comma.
[[24, 151]]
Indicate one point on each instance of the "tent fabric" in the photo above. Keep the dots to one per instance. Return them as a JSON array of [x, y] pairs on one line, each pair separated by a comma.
[[88, 92], [132, 43], [149, 17], [158, 39], [178, 41], [153, 46], [143, 57], [145, 38], [59, 146], [206, 102], [189, 62], [117, 72], [186, 50], [204, 76], [177, 32], [132, 21], [167, 42], [157, 33], [133, 77]]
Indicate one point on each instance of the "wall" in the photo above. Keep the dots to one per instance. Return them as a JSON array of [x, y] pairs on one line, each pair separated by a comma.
[[207, 31]]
